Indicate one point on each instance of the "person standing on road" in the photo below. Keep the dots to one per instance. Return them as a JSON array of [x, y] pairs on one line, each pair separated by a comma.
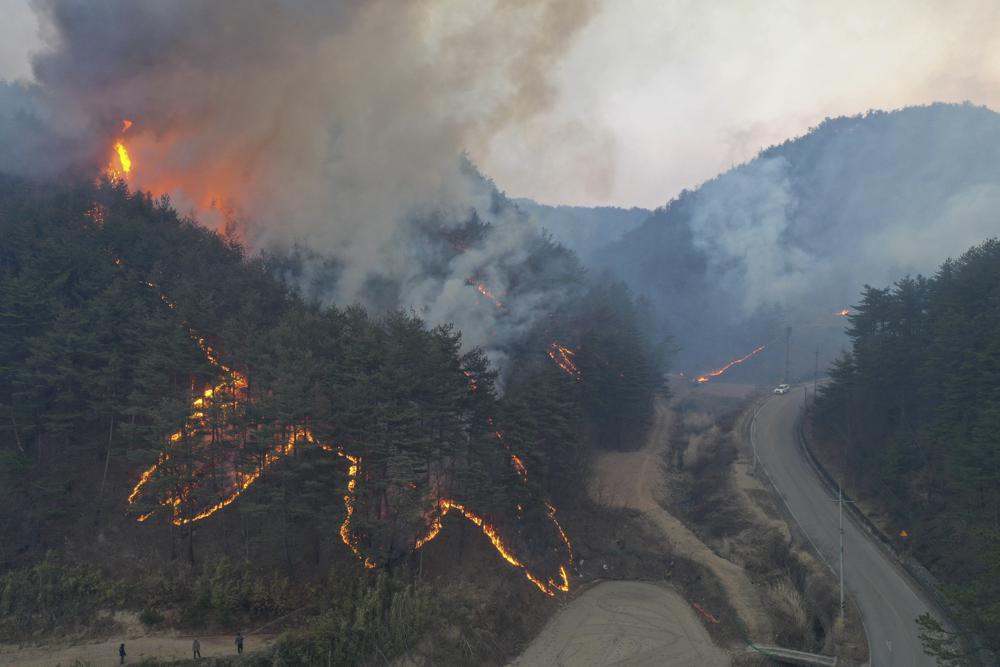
[[239, 643], [121, 654], [196, 648]]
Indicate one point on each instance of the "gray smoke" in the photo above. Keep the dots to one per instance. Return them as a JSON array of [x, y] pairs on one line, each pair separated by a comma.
[[796, 233], [326, 125]]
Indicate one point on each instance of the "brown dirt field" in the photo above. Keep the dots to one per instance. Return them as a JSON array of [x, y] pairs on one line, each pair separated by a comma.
[[624, 623], [137, 645]]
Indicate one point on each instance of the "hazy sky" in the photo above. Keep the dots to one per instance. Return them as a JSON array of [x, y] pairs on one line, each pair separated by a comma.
[[659, 95]]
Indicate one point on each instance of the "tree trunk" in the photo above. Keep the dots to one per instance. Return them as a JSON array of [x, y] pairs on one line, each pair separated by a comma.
[[17, 436], [107, 462]]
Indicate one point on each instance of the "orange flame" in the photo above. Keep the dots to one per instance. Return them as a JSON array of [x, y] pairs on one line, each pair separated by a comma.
[[123, 168], [519, 466], [236, 382], [701, 379], [445, 505], [564, 358], [482, 289], [843, 313]]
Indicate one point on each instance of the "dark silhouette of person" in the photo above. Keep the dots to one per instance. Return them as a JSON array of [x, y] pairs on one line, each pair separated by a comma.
[[239, 643], [196, 648], [121, 654]]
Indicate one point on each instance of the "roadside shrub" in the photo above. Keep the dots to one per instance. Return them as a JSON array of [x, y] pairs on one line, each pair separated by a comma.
[[50, 595], [226, 592], [150, 617], [364, 616]]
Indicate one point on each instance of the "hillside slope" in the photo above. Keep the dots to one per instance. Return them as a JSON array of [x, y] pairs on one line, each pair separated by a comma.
[[791, 236]]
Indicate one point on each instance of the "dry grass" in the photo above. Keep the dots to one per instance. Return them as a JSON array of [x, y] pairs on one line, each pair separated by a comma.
[[708, 488]]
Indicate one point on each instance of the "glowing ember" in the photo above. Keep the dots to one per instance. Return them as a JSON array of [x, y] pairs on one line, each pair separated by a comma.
[[519, 466], [126, 124], [472, 380], [843, 313], [96, 214], [482, 289], [564, 358], [701, 379]]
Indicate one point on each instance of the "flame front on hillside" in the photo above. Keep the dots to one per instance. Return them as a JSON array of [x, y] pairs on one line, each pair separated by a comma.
[[701, 379], [565, 359], [123, 168], [200, 432]]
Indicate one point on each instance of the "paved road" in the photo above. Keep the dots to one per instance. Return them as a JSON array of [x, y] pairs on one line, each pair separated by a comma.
[[888, 601]]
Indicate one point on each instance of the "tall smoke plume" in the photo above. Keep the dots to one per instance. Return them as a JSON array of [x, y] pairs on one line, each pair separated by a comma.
[[326, 125]]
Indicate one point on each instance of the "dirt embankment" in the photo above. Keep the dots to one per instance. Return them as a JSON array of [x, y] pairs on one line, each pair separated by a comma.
[[635, 480], [713, 485], [625, 623]]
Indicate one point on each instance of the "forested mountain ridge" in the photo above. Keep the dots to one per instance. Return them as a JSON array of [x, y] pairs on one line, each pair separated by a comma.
[[135, 342], [914, 407], [791, 236], [583, 229]]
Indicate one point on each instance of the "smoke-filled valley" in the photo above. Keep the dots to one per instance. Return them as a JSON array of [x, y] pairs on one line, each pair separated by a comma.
[[279, 356]]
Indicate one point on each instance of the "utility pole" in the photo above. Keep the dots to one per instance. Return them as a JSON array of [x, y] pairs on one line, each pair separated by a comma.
[[788, 343], [840, 504], [815, 373]]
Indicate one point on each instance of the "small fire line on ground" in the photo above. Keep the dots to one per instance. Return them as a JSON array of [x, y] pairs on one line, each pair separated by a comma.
[[702, 379], [228, 390]]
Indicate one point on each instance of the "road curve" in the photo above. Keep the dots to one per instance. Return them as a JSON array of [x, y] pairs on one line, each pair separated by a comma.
[[888, 600]]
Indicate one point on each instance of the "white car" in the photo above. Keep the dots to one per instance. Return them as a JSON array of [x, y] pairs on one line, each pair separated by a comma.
[[781, 389]]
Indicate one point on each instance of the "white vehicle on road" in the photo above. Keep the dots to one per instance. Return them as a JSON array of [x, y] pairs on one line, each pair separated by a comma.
[[781, 389]]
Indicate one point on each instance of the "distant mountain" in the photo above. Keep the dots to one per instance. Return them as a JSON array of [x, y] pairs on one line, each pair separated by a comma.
[[583, 229], [791, 236]]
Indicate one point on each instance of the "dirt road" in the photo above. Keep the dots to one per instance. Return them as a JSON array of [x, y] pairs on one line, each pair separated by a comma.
[[633, 479], [104, 653], [889, 602], [624, 623], [635, 623]]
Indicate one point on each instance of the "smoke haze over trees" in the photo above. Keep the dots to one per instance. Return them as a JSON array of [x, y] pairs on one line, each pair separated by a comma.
[[791, 236], [293, 125], [107, 303]]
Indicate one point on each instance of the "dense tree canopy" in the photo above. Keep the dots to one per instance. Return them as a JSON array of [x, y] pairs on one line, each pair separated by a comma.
[[915, 405], [154, 371]]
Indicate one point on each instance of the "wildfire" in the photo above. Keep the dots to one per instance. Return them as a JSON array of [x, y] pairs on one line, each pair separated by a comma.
[[519, 466], [482, 289], [230, 392], [346, 536], [701, 379], [123, 158], [564, 358], [225, 393], [123, 168], [445, 505], [843, 313], [473, 386]]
